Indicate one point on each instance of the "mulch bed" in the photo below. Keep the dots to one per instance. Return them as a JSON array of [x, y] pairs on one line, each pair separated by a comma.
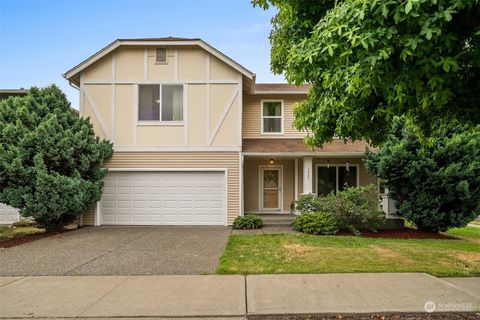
[[392, 316], [406, 233], [29, 238]]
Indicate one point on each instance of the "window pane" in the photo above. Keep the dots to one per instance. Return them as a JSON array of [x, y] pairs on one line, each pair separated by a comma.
[[148, 104], [272, 125], [271, 109], [326, 180], [270, 178], [347, 178], [172, 103]]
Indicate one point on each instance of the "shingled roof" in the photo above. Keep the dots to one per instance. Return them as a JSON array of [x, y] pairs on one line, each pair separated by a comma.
[[267, 88], [270, 146]]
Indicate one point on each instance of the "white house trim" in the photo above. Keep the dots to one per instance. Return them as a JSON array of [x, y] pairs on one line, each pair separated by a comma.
[[307, 174], [281, 92], [104, 81], [97, 115], [175, 64], [207, 113], [113, 110], [185, 114], [82, 97], [295, 177], [177, 149], [280, 188], [305, 154], [241, 183], [240, 111], [114, 68], [227, 108], [208, 67], [282, 119], [145, 63], [96, 219], [135, 115]]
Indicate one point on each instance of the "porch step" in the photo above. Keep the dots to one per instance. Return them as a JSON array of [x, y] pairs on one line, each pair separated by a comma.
[[277, 220]]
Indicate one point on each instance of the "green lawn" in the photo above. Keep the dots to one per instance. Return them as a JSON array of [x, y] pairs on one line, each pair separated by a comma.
[[291, 253], [12, 232], [467, 232]]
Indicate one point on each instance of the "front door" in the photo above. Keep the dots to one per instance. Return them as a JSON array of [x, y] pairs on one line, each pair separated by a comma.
[[270, 188]]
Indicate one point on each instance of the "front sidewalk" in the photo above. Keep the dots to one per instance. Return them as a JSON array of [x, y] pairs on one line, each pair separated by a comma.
[[233, 296]]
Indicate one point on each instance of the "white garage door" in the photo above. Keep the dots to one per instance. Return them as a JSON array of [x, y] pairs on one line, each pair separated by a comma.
[[164, 198], [8, 215]]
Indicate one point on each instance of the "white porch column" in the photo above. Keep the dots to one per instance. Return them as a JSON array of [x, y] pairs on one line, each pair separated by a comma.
[[307, 175]]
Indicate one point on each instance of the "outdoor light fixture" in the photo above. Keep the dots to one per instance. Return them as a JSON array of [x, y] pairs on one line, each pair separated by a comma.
[[271, 160], [328, 164], [347, 166]]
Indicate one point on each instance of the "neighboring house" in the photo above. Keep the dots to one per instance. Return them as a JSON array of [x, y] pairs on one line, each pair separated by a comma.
[[196, 140], [8, 214]]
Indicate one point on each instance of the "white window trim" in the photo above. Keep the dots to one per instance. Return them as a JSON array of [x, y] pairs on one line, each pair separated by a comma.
[[336, 166], [160, 122], [272, 117], [280, 189]]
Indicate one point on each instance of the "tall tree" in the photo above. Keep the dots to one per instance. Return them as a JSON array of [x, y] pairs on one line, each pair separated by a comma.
[[371, 60], [50, 159]]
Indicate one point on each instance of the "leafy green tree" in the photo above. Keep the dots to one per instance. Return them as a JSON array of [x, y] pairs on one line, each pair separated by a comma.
[[371, 60], [436, 184], [50, 159]]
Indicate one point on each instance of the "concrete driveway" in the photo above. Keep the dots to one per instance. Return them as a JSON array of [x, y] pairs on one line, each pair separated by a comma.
[[119, 251]]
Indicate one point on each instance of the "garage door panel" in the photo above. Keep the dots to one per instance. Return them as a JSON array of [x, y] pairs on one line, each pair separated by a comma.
[[170, 198]]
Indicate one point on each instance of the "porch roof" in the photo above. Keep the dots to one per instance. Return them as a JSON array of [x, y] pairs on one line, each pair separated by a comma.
[[294, 146]]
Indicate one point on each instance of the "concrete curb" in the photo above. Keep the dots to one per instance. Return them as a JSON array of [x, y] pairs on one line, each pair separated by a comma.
[[234, 296]]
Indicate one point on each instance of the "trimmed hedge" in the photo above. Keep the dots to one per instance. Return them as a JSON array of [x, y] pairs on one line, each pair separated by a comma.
[[316, 223], [248, 221]]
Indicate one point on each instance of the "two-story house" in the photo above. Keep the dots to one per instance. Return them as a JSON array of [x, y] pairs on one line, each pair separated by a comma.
[[196, 141]]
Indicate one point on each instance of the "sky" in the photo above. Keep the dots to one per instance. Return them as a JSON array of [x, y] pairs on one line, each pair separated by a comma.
[[41, 39]]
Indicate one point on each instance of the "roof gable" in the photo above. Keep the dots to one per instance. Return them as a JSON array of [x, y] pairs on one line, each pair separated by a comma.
[[170, 41]]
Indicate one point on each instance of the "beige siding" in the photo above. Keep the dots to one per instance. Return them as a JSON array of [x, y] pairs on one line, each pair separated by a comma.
[[197, 135], [161, 71], [210, 119], [100, 97], [89, 113], [160, 135], [252, 105], [220, 71], [100, 70], [129, 63], [124, 115], [88, 218], [252, 182], [192, 64], [224, 115], [187, 160]]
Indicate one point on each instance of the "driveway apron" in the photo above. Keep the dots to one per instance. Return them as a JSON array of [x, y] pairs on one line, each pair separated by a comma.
[[132, 250]]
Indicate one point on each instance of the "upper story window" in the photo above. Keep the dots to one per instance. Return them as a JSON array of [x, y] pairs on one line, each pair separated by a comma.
[[167, 108], [272, 117], [161, 55]]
